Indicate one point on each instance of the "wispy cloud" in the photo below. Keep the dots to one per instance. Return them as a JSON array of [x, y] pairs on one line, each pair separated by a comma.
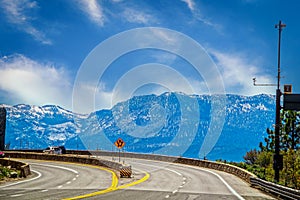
[[190, 4], [18, 12], [27, 81], [93, 10], [198, 15], [237, 73], [134, 16]]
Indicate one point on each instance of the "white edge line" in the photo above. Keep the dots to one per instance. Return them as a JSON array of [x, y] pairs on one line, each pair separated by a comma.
[[225, 183], [164, 168], [217, 175], [54, 166], [24, 181], [16, 195]]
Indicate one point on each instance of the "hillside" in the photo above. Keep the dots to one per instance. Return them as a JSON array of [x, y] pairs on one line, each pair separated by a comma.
[[171, 123]]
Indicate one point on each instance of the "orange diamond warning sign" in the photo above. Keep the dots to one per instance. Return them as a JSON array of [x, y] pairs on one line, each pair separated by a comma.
[[119, 143]]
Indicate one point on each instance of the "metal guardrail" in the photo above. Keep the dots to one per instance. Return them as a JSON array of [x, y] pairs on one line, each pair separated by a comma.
[[278, 190]]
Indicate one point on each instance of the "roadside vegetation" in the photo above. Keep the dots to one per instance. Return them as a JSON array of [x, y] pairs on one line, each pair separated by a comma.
[[260, 162], [8, 173]]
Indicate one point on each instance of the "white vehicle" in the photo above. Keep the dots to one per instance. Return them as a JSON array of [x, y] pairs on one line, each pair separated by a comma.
[[53, 150]]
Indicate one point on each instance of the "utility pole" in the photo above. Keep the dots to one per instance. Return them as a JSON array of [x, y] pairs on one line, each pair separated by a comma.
[[277, 159]]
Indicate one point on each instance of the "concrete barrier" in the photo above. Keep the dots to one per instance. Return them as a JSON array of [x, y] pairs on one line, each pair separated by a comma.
[[243, 174], [64, 158], [278, 190], [23, 167], [286, 193]]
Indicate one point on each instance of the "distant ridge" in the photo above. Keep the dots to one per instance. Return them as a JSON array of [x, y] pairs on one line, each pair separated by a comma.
[[147, 123]]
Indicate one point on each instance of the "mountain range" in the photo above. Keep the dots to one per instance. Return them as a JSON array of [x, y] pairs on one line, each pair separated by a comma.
[[194, 126]]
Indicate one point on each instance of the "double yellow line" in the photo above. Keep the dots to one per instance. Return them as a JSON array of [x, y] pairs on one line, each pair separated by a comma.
[[114, 184]]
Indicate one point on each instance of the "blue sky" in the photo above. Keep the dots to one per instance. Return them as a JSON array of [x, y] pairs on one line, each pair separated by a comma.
[[44, 43]]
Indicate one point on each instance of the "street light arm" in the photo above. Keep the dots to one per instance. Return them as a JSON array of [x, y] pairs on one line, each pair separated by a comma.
[[262, 84]]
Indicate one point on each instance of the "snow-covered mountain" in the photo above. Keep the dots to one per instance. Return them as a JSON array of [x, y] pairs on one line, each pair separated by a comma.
[[171, 123]]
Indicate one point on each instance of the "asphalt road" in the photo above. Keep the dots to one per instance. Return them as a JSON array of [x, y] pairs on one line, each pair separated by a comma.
[[176, 181], [56, 180]]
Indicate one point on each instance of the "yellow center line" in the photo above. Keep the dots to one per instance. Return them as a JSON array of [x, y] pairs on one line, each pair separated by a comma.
[[114, 184], [112, 187], [147, 175]]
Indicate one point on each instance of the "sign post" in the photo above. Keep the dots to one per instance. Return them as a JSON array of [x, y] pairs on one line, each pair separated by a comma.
[[119, 144]]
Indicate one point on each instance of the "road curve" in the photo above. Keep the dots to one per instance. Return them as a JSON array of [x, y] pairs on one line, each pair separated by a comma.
[[177, 181], [57, 180]]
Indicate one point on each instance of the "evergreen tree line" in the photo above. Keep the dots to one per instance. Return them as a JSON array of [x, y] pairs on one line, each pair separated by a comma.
[[260, 162]]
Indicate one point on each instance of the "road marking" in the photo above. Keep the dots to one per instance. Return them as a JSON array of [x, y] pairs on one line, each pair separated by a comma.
[[167, 169], [167, 196], [192, 197], [225, 183], [74, 179], [113, 186], [24, 181], [16, 195], [59, 167], [217, 175], [146, 177], [44, 191], [171, 170]]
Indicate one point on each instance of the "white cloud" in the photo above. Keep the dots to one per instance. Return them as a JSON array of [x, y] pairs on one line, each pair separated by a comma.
[[18, 12], [199, 15], [103, 99], [190, 4], [93, 10], [99, 14], [237, 73], [31, 82], [135, 16], [83, 103], [165, 58]]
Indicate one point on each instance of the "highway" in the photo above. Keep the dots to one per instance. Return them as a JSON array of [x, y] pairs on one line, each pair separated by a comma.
[[57, 180], [176, 181]]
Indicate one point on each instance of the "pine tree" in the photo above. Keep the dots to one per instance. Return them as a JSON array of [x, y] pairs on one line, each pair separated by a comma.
[[290, 130], [289, 133]]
